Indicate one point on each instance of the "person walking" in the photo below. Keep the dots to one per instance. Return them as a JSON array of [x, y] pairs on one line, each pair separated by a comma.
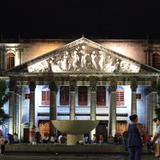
[[134, 141]]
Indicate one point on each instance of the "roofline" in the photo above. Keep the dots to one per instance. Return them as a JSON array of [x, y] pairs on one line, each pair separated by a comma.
[[3, 41], [93, 43]]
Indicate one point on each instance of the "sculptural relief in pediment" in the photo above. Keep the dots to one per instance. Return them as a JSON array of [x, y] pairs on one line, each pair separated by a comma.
[[83, 58]]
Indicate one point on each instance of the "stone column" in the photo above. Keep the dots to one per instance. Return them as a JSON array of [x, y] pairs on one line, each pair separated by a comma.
[[149, 114], [72, 99], [16, 113], [93, 101], [12, 86], [112, 109], [152, 114], [32, 87], [133, 97], [20, 113], [53, 111]]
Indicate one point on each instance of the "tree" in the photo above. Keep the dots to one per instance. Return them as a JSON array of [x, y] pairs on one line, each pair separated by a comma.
[[4, 96]]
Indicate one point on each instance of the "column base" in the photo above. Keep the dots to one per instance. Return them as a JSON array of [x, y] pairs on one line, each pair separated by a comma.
[[74, 139]]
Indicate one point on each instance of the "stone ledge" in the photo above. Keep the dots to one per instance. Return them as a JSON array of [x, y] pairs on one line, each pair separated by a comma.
[[91, 148]]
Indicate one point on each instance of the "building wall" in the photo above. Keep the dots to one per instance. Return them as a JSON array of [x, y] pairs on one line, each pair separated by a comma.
[[35, 49], [25, 105], [132, 49], [141, 106]]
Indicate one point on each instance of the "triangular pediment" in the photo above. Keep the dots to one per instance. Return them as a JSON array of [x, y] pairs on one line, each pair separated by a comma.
[[84, 55]]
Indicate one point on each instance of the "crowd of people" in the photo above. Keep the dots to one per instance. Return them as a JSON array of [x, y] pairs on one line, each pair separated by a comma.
[[133, 138]]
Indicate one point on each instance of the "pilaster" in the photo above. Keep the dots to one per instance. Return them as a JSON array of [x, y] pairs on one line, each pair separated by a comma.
[[32, 87], [133, 97], [12, 87], [93, 99], [72, 99]]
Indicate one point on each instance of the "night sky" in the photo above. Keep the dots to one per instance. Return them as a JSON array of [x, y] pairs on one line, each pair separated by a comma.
[[134, 19]]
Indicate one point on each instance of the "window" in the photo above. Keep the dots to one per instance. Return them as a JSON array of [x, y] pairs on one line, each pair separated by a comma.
[[27, 96], [138, 96], [46, 97], [156, 60], [101, 96], [120, 97], [10, 60], [64, 95], [82, 95]]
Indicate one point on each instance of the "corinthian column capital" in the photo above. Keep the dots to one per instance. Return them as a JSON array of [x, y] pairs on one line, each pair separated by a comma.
[[72, 85], [134, 85], [113, 85], [53, 86], [12, 85], [32, 86], [93, 83]]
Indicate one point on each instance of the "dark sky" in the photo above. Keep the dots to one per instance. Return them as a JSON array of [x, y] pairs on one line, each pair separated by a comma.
[[73, 18]]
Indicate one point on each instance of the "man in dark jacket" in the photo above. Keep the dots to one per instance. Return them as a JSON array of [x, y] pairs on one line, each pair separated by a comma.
[[134, 141]]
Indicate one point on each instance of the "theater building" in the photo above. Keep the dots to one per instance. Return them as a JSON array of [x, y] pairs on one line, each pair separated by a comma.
[[79, 79]]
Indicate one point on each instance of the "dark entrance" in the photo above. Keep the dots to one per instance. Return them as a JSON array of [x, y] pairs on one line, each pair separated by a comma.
[[26, 135], [102, 129]]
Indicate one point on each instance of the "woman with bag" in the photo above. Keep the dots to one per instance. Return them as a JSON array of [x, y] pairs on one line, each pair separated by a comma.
[[134, 141], [156, 138]]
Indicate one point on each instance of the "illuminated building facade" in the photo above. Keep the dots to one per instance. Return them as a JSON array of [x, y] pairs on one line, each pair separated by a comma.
[[83, 79]]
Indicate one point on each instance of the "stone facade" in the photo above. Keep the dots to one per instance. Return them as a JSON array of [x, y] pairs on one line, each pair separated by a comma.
[[48, 65]]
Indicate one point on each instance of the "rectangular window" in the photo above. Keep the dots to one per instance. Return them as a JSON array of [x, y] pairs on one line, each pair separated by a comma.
[[120, 98], [46, 97], [64, 95], [27, 96], [101, 96], [82, 95], [138, 96], [10, 60]]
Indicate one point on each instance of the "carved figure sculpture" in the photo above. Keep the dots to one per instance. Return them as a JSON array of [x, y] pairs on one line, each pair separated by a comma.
[[93, 59], [101, 60], [75, 60]]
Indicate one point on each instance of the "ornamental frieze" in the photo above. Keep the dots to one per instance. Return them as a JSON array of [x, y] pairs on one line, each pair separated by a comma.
[[83, 58]]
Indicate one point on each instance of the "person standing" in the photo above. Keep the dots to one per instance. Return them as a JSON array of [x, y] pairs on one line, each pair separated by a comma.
[[134, 141], [2, 143], [33, 135]]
